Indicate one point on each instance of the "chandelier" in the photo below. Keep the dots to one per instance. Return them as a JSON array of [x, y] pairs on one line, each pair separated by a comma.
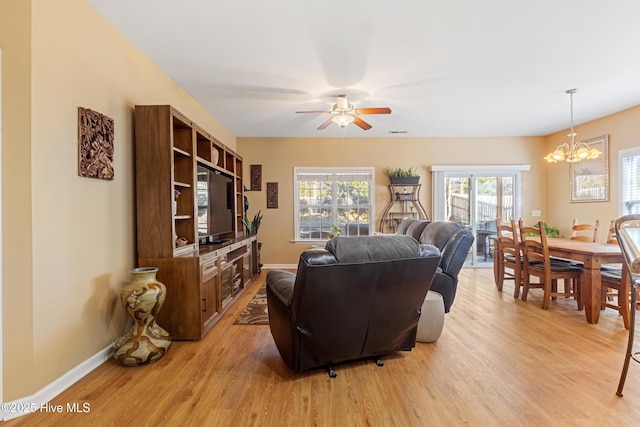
[[572, 151]]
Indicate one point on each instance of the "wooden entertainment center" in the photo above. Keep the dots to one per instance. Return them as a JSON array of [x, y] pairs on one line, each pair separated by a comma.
[[203, 275]]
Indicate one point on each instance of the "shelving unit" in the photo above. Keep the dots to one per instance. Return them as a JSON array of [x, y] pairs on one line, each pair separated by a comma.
[[404, 203], [169, 148]]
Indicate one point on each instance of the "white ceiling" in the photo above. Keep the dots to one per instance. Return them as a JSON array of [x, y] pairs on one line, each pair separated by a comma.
[[444, 67]]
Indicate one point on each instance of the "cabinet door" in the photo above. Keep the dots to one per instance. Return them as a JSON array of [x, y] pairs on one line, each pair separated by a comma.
[[246, 268], [226, 281], [209, 292]]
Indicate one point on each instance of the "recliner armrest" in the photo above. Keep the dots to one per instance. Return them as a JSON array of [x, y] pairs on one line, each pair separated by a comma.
[[281, 284], [318, 256], [455, 252], [428, 250]]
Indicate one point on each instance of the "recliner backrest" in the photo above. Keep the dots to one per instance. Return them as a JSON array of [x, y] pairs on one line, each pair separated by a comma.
[[412, 227], [373, 248], [404, 225], [438, 233]]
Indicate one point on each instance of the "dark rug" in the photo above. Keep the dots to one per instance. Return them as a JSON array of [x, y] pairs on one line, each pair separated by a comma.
[[255, 313]]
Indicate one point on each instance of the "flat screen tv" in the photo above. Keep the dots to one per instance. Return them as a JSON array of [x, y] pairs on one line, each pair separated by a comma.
[[215, 204]]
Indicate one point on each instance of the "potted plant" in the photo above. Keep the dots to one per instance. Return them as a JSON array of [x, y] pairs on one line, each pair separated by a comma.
[[335, 231], [252, 227], [400, 176], [550, 230]]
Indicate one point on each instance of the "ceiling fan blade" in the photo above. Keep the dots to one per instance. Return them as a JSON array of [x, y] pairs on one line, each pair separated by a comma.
[[359, 122], [315, 112], [325, 124], [373, 110]]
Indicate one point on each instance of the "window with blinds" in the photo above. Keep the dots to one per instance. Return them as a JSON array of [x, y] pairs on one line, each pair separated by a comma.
[[332, 201], [630, 181]]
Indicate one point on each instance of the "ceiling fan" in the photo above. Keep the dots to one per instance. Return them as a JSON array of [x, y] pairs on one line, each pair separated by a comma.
[[343, 113]]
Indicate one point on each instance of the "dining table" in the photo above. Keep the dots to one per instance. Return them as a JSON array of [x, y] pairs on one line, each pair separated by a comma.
[[593, 255]]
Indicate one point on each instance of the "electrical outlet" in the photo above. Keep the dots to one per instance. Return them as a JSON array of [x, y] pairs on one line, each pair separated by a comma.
[[536, 213]]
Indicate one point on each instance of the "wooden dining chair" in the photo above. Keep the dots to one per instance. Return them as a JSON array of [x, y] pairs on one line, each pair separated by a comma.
[[584, 232], [578, 233], [537, 263], [615, 293], [581, 232], [611, 234], [507, 256], [627, 229]]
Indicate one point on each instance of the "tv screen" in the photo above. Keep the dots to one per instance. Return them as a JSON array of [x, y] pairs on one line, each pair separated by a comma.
[[215, 203]]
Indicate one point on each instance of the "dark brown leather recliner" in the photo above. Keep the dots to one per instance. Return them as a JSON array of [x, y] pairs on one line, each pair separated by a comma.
[[453, 241], [359, 297]]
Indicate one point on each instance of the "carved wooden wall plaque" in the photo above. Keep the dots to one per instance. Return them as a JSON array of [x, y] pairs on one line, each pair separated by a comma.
[[272, 195], [95, 144], [256, 177]]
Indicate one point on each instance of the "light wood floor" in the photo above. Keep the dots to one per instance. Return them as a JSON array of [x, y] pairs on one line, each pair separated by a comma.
[[499, 362]]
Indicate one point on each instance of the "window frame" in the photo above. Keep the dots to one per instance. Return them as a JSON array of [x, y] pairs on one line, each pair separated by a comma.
[[299, 170], [622, 155]]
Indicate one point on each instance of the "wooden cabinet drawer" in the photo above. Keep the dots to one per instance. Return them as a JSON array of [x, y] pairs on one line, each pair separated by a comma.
[[209, 269]]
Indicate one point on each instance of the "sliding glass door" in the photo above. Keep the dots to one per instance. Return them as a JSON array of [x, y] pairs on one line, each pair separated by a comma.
[[475, 197]]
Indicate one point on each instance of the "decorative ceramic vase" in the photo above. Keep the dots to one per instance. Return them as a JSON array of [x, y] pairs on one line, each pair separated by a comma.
[[142, 299]]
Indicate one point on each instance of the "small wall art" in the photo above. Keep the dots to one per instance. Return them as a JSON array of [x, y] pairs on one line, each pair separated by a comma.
[[256, 177], [272, 195], [95, 144]]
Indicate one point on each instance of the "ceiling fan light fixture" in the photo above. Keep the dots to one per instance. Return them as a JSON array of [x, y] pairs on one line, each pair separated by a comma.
[[342, 120], [343, 113], [342, 103]]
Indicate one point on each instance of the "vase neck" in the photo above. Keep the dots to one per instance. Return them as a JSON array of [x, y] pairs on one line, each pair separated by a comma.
[[144, 272]]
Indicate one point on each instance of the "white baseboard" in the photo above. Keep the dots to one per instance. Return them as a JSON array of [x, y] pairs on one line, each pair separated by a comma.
[[26, 405], [280, 266]]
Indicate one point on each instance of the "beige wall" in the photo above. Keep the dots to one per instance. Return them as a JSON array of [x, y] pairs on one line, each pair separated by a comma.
[[278, 156], [17, 269], [623, 129], [68, 242]]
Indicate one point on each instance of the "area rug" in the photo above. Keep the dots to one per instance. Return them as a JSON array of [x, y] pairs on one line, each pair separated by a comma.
[[255, 313]]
